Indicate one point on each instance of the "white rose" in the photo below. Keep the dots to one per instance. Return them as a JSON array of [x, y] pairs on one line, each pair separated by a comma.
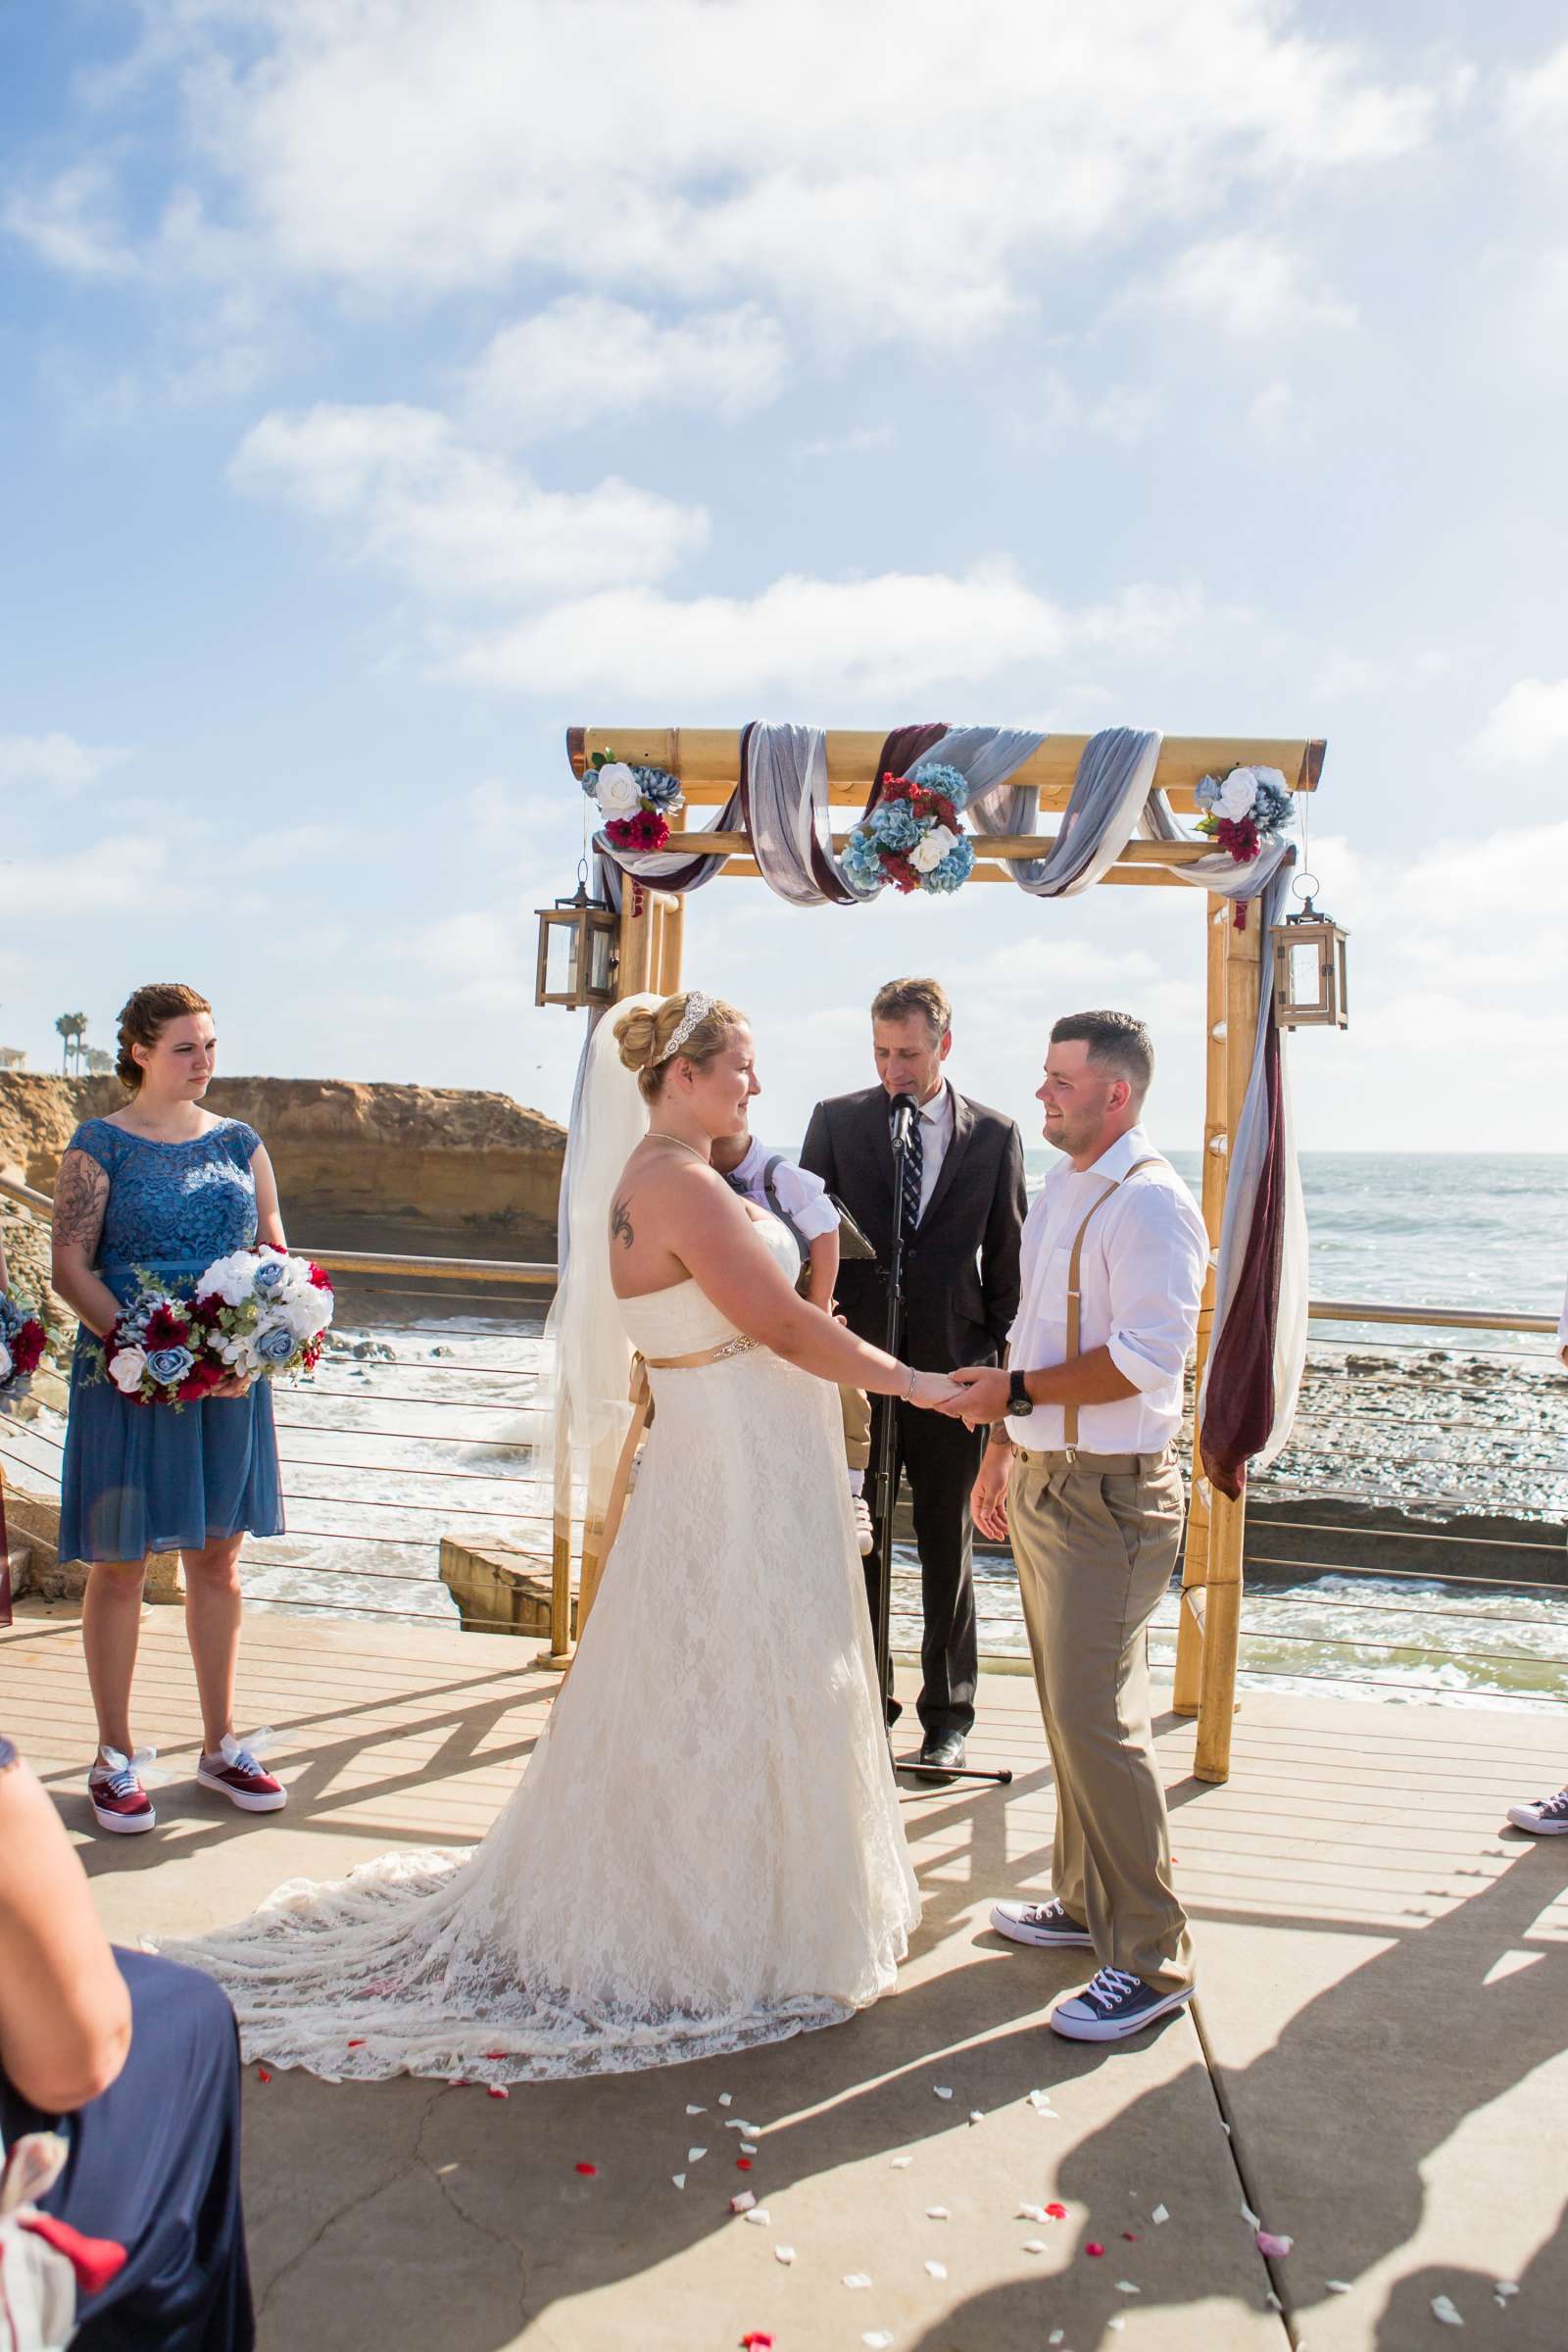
[[1237, 792], [231, 1277], [7, 1361], [126, 1369], [616, 791], [927, 855]]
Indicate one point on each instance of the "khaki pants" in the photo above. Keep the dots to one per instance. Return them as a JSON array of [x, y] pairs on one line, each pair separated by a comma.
[[1096, 1540], [856, 1407]]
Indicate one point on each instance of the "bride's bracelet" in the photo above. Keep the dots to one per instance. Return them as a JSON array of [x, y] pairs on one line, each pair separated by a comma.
[[910, 1390]]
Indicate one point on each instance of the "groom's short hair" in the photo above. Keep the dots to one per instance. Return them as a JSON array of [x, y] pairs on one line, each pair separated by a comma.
[[896, 1000], [1116, 1041]]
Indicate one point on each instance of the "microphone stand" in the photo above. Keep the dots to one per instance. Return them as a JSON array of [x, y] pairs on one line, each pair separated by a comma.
[[904, 1109]]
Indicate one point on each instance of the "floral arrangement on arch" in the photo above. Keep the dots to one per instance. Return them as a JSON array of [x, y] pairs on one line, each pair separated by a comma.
[[913, 838], [23, 1341], [1253, 806], [256, 1314], [636, 802]]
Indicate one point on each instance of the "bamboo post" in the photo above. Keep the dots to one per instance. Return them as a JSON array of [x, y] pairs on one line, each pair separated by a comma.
[[1216, 1162], [1222, 1600]]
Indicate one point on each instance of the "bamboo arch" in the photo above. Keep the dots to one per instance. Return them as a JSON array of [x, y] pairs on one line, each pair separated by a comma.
[[707, 763]]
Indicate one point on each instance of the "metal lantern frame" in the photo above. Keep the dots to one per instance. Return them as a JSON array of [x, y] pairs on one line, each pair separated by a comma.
[[592, 931]]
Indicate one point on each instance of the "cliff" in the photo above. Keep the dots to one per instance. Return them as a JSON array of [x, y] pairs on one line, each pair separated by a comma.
[[353, 1161]]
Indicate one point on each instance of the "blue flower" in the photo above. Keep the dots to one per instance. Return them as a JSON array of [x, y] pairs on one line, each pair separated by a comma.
[[659, 789], [863, 866], [1206, 792], [170, 1365], [268, 1275], [274, 1346], [1271, 809], [936, 777], [895, 825], [956, 868]]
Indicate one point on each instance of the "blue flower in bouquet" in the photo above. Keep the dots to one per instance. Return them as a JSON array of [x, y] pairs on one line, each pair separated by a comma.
[[1271, 805], [660, 790], [269, 1276], [955, 867], [862, 864], [276, 1345], [169, 1365], [1206, 792], [932, 775], [895, 826]]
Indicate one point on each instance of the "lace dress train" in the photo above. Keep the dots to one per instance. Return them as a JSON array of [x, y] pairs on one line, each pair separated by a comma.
[[705, 1851]]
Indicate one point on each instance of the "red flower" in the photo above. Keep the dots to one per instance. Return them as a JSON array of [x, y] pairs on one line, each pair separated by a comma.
[[165, 1329], [899, 871], [27, 1349], [319, 1279], [200, 1379], [946, 813], [647, 830], [1239, 835], [897, 788]]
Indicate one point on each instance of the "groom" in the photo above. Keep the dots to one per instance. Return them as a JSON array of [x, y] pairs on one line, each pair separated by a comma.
[[962, 1211]]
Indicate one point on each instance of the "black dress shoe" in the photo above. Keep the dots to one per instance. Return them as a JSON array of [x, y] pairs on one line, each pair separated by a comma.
[[894, 1710], [943, 1747]]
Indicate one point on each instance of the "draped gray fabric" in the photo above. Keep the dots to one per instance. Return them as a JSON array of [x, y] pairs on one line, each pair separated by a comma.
[[1110, 792], [784, 792]]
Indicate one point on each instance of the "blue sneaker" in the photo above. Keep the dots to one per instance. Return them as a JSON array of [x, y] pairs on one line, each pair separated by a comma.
[[1112, 2005], [1547, 1817], [1044, 1924]]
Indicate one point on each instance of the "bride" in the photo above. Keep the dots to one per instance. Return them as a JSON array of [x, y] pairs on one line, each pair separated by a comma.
[[705, 1852]]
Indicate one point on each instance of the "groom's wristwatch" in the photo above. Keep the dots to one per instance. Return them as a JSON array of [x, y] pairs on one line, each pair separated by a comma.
[[1020, 1404]]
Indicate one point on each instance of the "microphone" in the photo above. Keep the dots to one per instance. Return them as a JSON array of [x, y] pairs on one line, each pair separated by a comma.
[[904, 1108]]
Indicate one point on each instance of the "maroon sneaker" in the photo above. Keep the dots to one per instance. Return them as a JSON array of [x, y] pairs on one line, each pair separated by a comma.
[[235, 1773], [120, 1803]]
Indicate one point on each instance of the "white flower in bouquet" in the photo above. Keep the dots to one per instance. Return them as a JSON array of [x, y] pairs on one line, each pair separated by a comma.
[[7, 1361], [928, 854], [309, 1313], [127, 1368], [616, 789], [1236, 794], [232, 1279]]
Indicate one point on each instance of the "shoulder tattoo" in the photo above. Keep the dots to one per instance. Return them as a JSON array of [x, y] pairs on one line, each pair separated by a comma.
[[82, 1190], [620, 1224]]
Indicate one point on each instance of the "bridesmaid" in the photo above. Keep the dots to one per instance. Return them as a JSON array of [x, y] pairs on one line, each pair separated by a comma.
[[163, 1187]]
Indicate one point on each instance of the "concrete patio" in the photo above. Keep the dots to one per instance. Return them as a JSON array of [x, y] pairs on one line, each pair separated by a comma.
[[1383, 2026]]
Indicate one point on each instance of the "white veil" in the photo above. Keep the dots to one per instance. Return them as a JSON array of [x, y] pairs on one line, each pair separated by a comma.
[[587, 1354]]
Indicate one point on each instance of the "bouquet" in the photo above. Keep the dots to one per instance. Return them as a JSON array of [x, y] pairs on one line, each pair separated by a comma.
[[255, 1314], [22, 1339], [637, 803], [1250, 806], [913, 838]]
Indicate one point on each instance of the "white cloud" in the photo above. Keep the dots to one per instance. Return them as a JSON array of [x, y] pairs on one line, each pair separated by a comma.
[[1530, 723], [71, 222], [583, 360], [98, 878], [899, 633], [56, 761], [418, 501], [857, 443], [713, 154], [1535, 106], [1125, 413], [1246, 286], [481, 957]]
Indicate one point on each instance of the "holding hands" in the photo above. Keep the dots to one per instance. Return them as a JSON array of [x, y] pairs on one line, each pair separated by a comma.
[[979, 1394], [936, 1392]]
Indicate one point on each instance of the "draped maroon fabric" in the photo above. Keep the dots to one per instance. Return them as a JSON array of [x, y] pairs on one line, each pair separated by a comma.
[[1238, 1413], [903, 749]]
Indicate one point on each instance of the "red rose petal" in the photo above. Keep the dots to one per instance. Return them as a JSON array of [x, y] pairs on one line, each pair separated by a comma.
[[1058, 2212], [1130, 2235], [356, 2045], [261, 2074], [743, 2163], [1094, 2246], [756, 2342], [496, 2090], [587, 2169]]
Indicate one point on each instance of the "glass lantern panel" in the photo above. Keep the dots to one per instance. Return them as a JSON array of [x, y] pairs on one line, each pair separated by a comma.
[[601, 948], [1304, 973]]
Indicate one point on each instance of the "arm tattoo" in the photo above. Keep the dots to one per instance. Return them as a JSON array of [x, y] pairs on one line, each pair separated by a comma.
[[81, 1193], [621, 1223]]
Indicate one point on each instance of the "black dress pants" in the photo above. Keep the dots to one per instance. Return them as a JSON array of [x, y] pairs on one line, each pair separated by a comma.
[[940, 1461]]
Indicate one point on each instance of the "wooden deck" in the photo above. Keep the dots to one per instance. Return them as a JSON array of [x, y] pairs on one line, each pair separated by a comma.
[[1383, 2023]]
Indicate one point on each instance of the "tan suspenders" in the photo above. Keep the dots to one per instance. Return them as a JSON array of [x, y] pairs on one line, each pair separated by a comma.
[[1069, 1412]]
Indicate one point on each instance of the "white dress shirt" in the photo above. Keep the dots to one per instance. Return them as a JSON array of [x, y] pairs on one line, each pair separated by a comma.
[[1145, 1258], [800, 1194], [936, 1134]]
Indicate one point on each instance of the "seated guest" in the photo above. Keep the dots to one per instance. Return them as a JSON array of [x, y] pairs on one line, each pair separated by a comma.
[[134, 2061]]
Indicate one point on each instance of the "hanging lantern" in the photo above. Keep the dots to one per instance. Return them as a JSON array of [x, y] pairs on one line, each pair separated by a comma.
[[578, 951], [1310, 986]]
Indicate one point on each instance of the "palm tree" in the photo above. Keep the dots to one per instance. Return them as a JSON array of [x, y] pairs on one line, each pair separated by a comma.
[[71, 1026]]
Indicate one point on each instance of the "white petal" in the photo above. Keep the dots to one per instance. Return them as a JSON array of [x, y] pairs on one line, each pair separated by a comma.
[[937, 2270], [784, 2254], [679, 2180], [1160, 2213], [941, 2090], [855, 2278], [1446, 2312]]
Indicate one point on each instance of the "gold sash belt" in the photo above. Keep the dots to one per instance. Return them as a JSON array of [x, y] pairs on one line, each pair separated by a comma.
[[641, 1405]]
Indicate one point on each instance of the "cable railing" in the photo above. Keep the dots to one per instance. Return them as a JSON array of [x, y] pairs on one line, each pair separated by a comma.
[[398, 1484]]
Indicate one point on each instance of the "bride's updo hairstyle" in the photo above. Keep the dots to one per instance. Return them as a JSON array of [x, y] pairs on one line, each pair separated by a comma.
[[644, 1038], [141, 1021]]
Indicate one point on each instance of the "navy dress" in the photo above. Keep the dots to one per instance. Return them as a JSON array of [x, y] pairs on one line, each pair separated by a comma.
[[141, 1478], [154, 2165]]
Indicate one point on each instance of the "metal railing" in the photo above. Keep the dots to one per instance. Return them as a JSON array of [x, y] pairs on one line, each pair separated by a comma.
[[373, 1518]]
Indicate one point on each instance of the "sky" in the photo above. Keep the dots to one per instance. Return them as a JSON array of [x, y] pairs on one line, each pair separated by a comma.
[[390, 384]]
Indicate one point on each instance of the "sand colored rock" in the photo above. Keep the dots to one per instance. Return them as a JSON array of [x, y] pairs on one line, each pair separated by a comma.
[[449, 1159]]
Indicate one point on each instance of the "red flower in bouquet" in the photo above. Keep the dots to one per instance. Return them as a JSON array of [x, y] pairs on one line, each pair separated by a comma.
[[1240, 836], [27, 1349], [897, 788], [165, 1329], [900, 872], [647, 830], [200, 1380], [320, 1280]]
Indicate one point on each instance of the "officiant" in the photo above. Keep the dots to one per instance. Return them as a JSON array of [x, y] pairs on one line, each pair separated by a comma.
[[962, 1211]]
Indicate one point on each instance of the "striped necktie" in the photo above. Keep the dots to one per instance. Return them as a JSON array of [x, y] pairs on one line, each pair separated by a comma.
[[914, 1165]]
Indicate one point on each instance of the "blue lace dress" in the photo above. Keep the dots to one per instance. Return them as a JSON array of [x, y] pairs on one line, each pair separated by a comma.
[[141, 1478]]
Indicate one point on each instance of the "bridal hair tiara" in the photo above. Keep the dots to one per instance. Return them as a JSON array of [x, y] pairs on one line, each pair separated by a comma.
[[698, 1009]]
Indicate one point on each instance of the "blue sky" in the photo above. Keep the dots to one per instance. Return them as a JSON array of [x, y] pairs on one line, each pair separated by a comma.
[[389, 383]]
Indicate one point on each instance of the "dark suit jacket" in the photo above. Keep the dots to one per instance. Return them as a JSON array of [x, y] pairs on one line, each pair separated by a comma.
[[960, 1272]]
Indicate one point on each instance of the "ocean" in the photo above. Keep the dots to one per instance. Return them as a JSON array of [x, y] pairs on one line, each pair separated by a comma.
[[1451, 1447]]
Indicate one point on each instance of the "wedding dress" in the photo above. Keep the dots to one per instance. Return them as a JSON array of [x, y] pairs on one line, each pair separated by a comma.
[[705, 1851]]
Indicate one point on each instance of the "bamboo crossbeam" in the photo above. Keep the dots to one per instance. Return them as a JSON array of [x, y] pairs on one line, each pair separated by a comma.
[[707, 759], [1009, 846], [746, 869]]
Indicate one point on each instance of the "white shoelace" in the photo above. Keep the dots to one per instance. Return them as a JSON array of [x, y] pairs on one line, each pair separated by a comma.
[[117, 1775], [1111, 1988]]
